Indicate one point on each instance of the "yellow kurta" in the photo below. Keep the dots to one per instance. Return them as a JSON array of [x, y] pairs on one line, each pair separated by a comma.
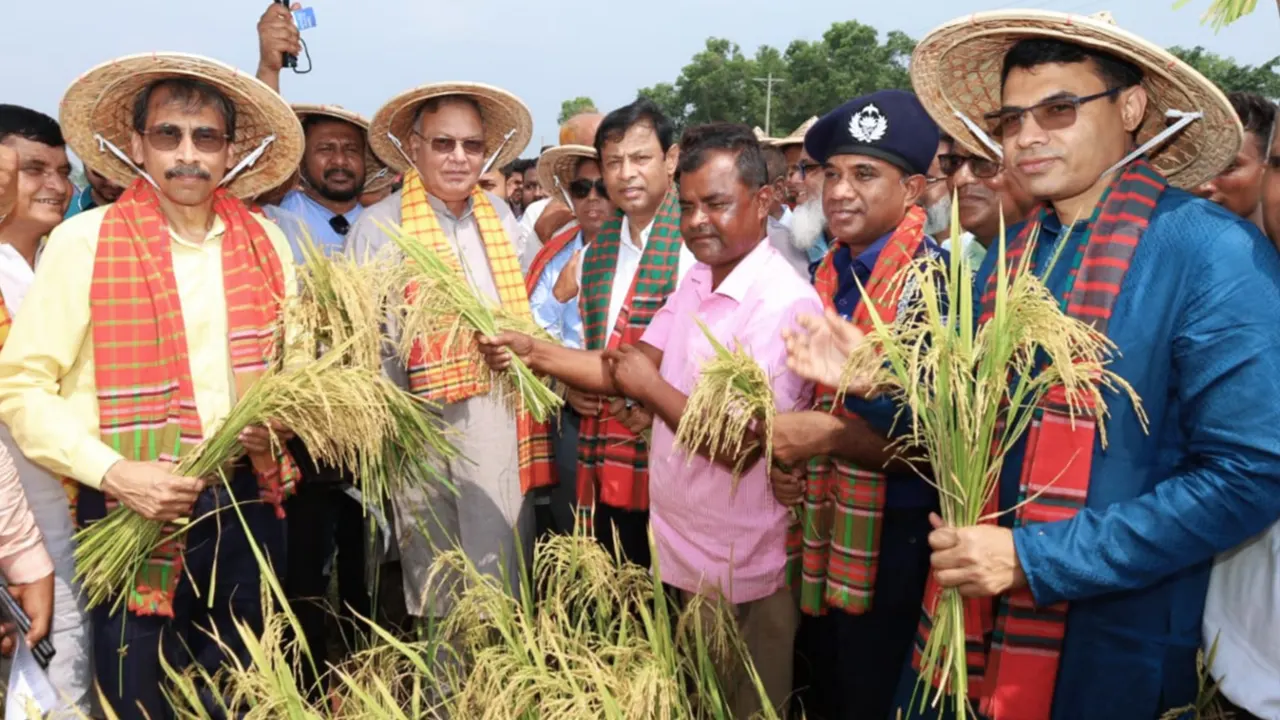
[[48, 394]]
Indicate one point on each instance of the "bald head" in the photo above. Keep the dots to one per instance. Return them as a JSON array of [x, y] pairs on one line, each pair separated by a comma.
[[580, 129]]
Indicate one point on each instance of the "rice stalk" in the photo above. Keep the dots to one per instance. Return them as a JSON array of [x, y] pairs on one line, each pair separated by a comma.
[[731, 394], [971, 394], [341, 302], [444, 305], [348, 416]]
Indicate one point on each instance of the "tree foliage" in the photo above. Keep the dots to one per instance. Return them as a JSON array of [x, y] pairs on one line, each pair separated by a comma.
[[576, 106], [721, 82], [1230, 76]]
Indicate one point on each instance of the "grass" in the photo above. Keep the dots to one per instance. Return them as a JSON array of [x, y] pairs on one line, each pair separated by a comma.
[[348, 416], [731, 394], [444, 306], [971, 393]]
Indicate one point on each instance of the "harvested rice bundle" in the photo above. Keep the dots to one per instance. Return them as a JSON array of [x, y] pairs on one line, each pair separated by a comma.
[[731, 394], [349, 416], [340, 300], [443, 305], [971, 394]]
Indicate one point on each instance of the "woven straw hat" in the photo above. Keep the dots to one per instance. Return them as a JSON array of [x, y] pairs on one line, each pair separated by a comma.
[[957, 67], [101, 102], [376, 173], [502, 112], [558, 163], [795, 138]]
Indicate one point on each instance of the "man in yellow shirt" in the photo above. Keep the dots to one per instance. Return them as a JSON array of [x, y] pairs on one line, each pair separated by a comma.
[[155, 314]]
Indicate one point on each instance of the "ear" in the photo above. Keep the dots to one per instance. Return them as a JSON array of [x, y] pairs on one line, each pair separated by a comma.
[[914, 187], [672, 160], [1133, 107], [764, 201], [135, 148], [231, 156]]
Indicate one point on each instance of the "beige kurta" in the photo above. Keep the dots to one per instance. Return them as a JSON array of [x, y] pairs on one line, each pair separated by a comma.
[[488, 518]]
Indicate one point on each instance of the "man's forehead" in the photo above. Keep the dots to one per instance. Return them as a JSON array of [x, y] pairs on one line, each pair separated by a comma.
[[30, 149], [1028, 86], [640, 136], [587, 168], [333, 128]]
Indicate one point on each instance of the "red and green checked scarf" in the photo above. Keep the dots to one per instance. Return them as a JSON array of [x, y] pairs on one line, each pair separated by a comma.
[[838, 539], [452, 374], [549, 251], [146, 398], [613, 461], [1015, 677]]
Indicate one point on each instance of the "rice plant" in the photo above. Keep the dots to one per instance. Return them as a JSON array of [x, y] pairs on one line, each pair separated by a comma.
[[442, 304], [971, 393], [732, 394], [603, 641], [350, 417]]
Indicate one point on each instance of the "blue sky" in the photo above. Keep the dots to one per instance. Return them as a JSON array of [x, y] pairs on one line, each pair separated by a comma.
[[545, 51]]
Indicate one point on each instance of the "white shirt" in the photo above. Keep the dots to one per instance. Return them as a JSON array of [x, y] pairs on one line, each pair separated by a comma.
[[529, 236], [15, 276], [1242, 612], [629, 263], [785, 220]]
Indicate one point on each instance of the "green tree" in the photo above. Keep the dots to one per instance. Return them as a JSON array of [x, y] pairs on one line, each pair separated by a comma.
[[576, 106], [721, 82], [1231, 76]]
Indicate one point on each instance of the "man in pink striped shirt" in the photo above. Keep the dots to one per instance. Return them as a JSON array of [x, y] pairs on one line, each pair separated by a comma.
[[726, 545], [24, 562]]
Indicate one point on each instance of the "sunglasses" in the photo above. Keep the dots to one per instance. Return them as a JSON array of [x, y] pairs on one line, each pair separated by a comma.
[[165, 138], [1056, 113], [581, 188], [339, 224], [446, 145], [950, 164]]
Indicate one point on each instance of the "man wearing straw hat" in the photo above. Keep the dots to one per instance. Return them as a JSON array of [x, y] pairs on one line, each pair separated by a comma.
[[444, 137], [107, 391], [804, 181], [571, 171], [1239, 187], [1096, 572]]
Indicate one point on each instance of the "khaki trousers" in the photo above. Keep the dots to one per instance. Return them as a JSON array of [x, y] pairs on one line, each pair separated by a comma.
[[768, 629]]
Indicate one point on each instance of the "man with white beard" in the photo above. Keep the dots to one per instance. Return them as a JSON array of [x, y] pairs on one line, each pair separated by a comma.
[[937, 199], [808, 223]]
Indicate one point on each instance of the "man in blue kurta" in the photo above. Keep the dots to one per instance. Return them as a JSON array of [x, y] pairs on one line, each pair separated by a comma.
[[1098, 595]]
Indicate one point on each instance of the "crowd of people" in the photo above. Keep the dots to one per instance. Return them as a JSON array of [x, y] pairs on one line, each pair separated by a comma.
[[139, 308]]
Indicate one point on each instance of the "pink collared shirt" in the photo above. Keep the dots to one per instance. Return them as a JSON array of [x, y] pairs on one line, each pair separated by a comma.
[[23, 557], [706, 538]]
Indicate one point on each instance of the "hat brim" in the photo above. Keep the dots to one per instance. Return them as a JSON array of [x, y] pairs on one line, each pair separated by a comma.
[[796, 138], [101, 102], [559, 164], [376, 175], [957, 67], [501, 112]]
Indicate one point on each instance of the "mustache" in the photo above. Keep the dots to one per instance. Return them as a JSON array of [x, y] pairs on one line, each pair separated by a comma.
[[339, 172], [180, 171]]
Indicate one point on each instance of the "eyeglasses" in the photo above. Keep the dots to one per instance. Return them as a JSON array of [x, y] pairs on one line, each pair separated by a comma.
[[581, 188], [804, 168], [950, 163], [1053, 114], [339, 224], [446, 145], [165, 138]]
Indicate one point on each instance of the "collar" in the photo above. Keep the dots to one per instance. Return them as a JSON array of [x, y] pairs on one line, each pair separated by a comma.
[[215, 231], [441, 209], [740, 280], [867, 258], [644, 234], [307, 199]]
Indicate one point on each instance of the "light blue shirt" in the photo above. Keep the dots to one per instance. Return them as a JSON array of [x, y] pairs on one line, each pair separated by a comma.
[[81, 201], [315, 219], [562, 320]]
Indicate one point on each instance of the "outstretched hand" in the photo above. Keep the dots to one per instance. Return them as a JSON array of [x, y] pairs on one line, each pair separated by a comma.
[[820, 347]]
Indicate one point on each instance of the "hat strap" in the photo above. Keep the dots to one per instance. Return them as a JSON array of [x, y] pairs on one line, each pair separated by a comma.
[[982, 135], [1184, 119], [105, 144], [248, 160], [396, 141], [382, 172], [492, 158], [565, 193]]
